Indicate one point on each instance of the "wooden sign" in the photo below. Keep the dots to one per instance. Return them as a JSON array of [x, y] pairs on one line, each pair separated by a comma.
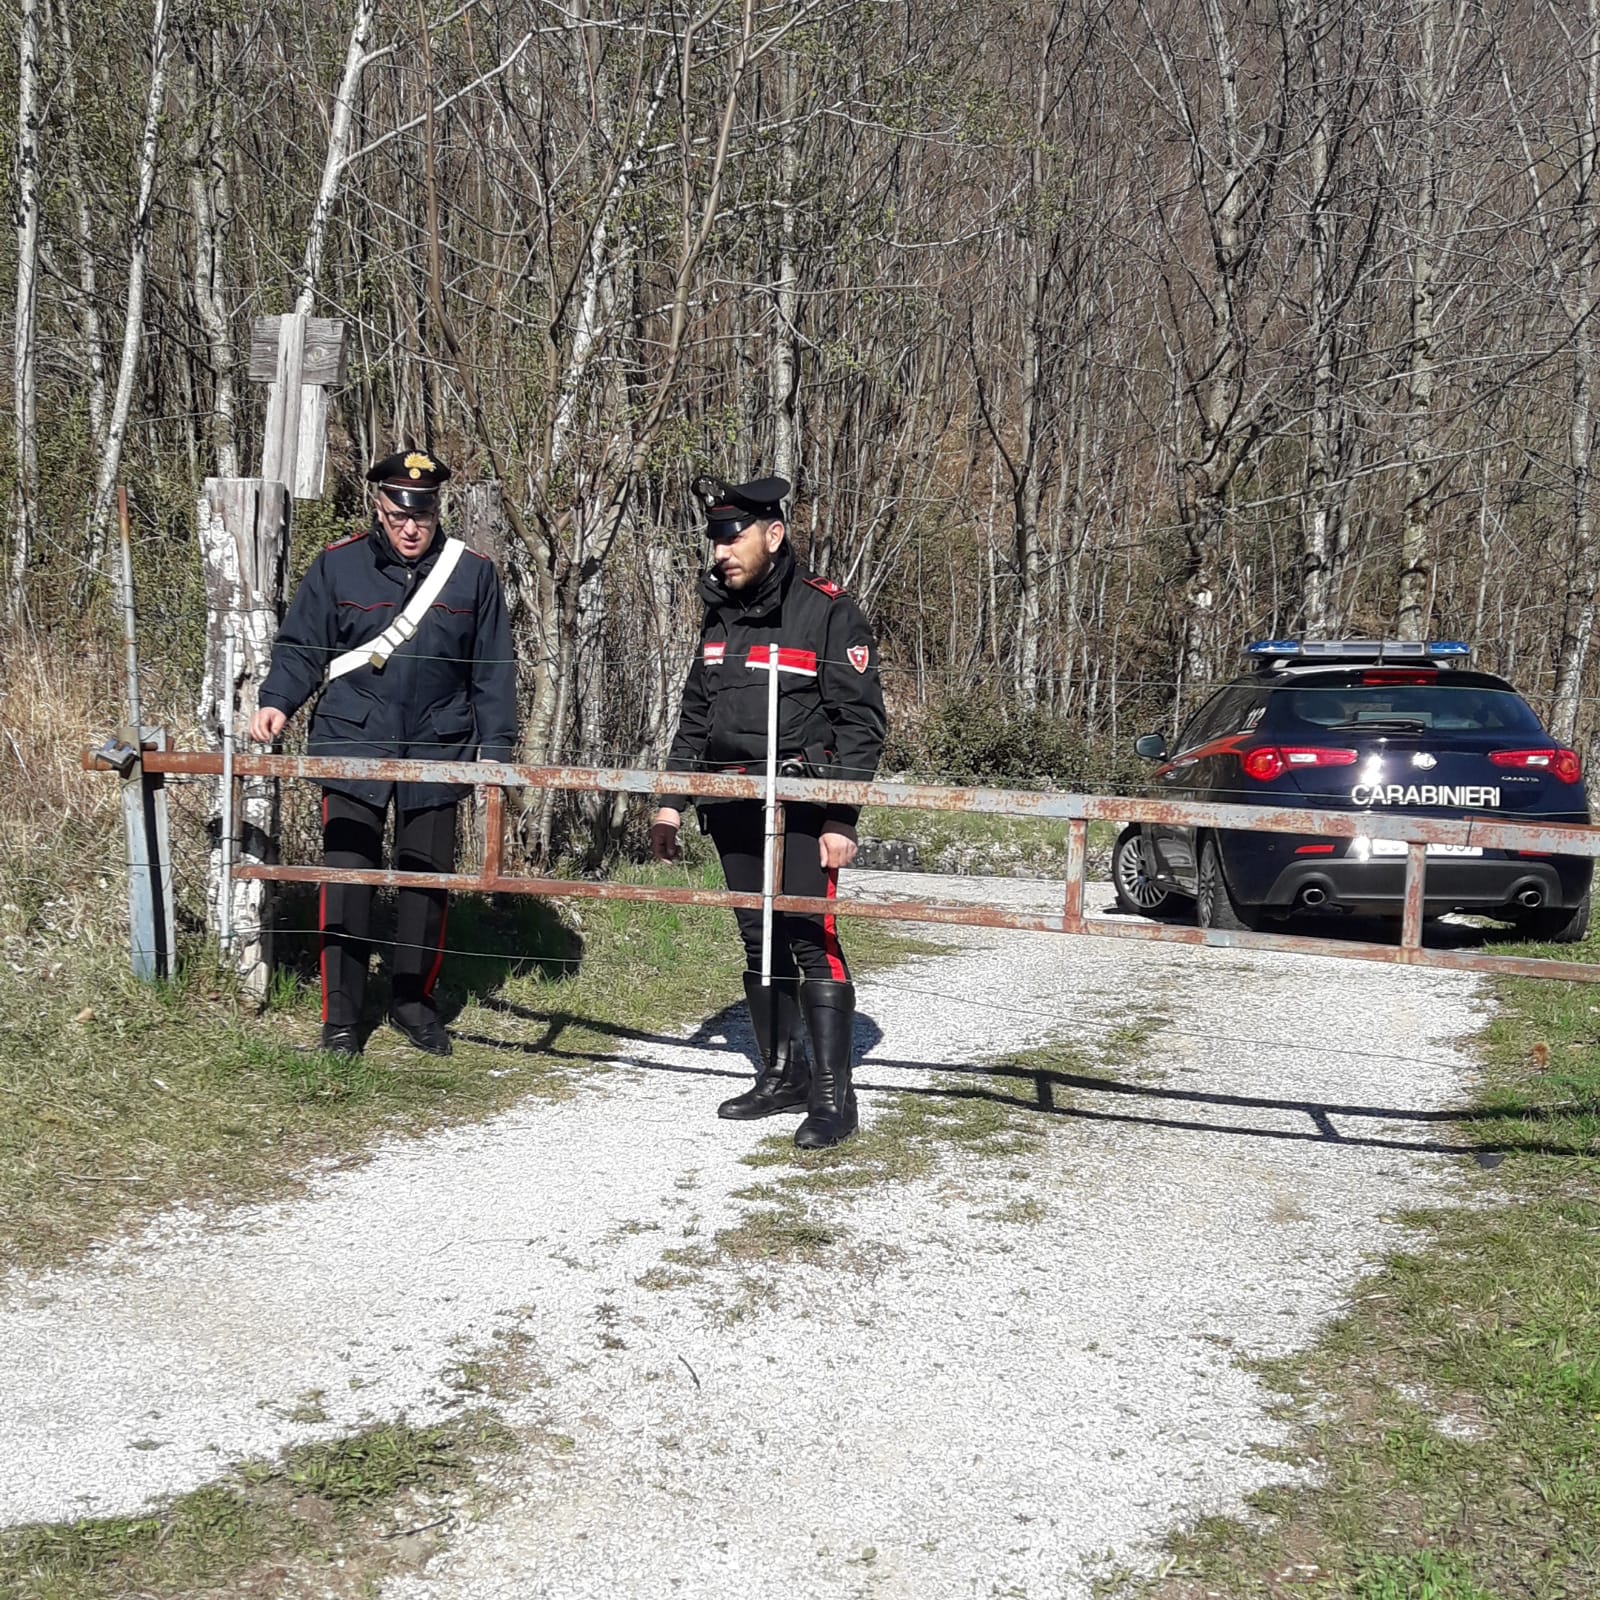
[[300, 358]]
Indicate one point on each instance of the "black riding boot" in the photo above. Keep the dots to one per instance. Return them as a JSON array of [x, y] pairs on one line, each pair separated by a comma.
[[831, 1110], [782, 1082]]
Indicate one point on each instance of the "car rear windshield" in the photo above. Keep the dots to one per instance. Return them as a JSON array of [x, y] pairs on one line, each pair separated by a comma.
[[1432, 708]]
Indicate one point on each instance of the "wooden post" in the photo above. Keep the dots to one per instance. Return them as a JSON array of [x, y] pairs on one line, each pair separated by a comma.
[[300, 358], [243, 527]]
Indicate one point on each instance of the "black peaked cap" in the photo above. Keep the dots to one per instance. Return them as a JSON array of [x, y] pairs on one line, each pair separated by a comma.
[[410, 477], [740, 504]]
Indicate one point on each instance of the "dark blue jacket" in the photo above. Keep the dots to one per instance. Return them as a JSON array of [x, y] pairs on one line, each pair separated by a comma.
[[449, 694]]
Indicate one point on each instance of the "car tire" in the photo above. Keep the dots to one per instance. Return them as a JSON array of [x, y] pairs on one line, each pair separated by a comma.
[[1137, 892], [1556, 924], [1215, 906]]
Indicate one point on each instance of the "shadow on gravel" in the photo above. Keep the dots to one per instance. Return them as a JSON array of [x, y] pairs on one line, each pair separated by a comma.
[[1043, 1092], [993, 1082], [725, 1033]]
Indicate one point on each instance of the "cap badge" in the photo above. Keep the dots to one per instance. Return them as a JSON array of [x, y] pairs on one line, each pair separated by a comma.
[[859, 655], [417, 464]]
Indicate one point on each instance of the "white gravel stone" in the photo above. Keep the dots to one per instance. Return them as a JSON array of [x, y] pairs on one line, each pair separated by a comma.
[[965, 1406]]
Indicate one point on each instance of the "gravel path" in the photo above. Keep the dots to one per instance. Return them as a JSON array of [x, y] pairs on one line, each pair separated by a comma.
[[1017, 1373]]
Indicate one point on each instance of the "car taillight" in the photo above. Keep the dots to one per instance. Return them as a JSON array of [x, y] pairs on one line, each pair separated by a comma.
[[1271, 761], [1561, 764], [1413, 678]]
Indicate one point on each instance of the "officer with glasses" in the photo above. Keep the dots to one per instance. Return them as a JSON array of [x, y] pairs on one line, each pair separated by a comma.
[[400, 634]]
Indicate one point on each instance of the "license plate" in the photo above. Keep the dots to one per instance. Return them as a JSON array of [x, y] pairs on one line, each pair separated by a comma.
[[1397, 847]]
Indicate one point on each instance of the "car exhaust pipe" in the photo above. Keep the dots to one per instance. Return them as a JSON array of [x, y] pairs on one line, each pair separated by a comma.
[[1313, 895], [1530, 897]]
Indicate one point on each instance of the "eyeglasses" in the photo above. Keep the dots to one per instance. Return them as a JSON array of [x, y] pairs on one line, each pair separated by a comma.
[[397, 516]]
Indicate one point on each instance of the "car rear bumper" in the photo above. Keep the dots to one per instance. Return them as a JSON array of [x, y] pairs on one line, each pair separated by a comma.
[[1266, 871]]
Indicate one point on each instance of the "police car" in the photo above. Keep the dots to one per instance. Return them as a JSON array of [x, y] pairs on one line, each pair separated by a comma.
[[1366, 726]]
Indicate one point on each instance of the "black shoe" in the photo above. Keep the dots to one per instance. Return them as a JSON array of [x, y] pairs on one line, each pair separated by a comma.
[[341, 1039], [782, 1081], [831, 1115], [428, 1036]]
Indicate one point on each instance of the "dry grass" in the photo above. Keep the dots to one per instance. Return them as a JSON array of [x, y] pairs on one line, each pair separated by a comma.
[[60, 828]]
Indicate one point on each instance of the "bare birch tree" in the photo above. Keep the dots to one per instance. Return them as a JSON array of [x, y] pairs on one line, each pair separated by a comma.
[[133, 329], [1564, 183], [24, 489]]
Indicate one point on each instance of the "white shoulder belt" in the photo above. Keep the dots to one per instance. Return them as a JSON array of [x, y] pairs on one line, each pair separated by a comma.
[[376, 652]]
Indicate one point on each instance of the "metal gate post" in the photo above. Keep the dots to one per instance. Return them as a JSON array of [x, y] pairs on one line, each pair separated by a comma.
[[494, 831], [1411, 920], [151, 933], [1077, 861]]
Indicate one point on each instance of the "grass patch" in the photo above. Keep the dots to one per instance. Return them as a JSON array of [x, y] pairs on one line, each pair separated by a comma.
[[1454, 1411], [347, 1511], [1128, 1044], [959, 841], [118, 1098], [903, 1143], [996, 1120]]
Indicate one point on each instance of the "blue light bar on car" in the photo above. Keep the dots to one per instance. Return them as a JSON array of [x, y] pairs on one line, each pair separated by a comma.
[[1360, 649]]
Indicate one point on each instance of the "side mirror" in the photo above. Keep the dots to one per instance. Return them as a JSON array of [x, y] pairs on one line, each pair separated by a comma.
[[1152, 746]]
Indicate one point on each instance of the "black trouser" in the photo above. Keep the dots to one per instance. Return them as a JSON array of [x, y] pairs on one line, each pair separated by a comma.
[[352, 836], [807, 944]]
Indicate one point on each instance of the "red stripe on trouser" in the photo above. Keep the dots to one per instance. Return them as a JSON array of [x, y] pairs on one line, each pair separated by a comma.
[[830, 934], [438, 960], [322, 917]]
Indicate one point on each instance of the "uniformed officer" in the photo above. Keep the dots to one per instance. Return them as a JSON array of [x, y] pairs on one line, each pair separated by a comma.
[[830, 725], [401, 633]]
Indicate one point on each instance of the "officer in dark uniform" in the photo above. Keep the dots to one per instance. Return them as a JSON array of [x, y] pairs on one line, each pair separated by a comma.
[[401, 633], [830, 725]]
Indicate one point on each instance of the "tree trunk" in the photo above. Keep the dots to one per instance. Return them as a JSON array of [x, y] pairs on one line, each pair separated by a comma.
[[243, 529], [133, 315], [1415, 566], [88, 288], [208, 198], [1324, 507], [344, 104], [784, 344], [25, 489], [1577, 630]]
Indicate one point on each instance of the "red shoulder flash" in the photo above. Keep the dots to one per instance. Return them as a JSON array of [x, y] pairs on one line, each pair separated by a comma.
[[829, 588], [339, 544]]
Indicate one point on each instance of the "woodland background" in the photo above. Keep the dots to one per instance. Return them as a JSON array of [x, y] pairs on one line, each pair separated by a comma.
[[1098, 337]]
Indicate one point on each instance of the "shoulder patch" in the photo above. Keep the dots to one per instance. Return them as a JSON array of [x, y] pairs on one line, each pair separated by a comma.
[[826, 586], [339, 544]]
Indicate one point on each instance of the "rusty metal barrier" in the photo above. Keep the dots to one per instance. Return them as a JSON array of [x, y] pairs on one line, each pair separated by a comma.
[[1076, 811]]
